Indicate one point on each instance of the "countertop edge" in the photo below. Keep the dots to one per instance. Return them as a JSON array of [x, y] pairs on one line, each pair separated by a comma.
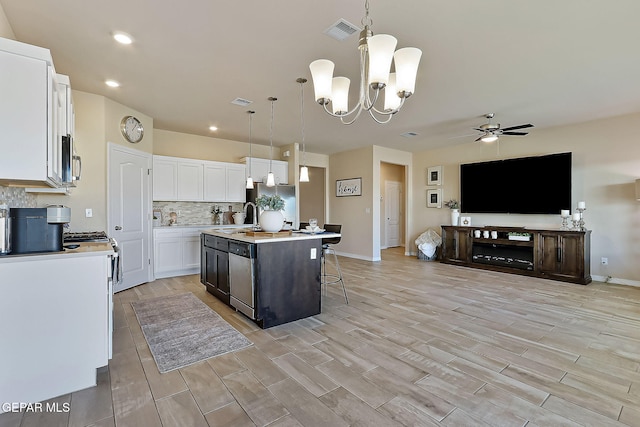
[[250, 239]]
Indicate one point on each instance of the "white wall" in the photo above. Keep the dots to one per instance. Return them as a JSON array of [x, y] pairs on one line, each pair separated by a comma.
[[606, 163]]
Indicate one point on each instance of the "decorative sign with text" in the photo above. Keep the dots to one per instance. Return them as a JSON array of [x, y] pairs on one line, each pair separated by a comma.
[[349, 187]]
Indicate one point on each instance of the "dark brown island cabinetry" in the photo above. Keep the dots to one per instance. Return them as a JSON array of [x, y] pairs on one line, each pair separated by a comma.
[[551, 254], [214, 266]]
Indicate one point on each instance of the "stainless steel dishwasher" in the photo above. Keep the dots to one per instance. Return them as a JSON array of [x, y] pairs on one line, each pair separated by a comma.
[[241, 277]]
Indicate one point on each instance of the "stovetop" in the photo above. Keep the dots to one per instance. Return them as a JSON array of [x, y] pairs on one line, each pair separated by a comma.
[[85, 236]]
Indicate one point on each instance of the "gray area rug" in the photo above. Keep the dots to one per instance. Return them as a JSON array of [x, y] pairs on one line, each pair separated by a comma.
[[182, 330]]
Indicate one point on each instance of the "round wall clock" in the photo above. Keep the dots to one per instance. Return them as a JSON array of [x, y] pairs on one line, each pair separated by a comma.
[[131, 129]]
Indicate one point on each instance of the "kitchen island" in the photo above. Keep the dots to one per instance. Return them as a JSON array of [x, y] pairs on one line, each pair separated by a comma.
[[273, 278]]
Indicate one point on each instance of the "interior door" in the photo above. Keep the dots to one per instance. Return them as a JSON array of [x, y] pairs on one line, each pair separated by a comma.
[[129, 207], [392, 213]]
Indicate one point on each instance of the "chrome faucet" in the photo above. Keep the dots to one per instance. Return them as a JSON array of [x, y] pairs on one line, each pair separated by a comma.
[[255, 213]]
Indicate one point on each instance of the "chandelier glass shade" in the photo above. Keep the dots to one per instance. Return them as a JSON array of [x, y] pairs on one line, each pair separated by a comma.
[[376, 57]]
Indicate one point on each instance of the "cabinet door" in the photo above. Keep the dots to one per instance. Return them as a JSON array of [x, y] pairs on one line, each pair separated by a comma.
[[211, 266], [23, 117], [281, 171], [167, 254], [214, 182], [190, 180], [563, 254], [190, 251], [456, 244], [235, 183], [223, 271], [259, 168], [165, 179]]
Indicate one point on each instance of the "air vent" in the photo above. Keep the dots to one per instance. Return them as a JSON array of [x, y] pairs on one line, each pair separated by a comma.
[[341, 30], [409, 134], [241, 102]]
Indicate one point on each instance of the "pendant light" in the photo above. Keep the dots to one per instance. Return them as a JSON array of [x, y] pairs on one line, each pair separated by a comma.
[[270, 178], [249, 178], [304, 170]]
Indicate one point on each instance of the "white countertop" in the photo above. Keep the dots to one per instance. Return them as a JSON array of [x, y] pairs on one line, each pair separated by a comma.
[[241, 236], [200, 226], [85, 249]]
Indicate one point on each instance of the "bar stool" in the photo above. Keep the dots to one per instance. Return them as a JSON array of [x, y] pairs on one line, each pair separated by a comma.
[[328, 279]]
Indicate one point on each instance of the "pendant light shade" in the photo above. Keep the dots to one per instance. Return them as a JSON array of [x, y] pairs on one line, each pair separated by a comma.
[[304, 174], [270, 178], [304, 171], [249, 178]]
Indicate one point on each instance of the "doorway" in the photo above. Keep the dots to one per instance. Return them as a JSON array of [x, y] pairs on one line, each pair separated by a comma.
[[392, 205], [312, 196], [129, 209]]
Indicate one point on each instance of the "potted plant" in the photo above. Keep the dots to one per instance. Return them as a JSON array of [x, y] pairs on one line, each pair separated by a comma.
[[454, 205], [271, 219]]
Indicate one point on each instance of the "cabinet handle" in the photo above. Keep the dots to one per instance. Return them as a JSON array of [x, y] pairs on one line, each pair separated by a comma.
[[118, 228]]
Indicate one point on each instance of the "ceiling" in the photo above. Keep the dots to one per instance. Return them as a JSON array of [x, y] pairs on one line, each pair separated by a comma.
[[547, 62]]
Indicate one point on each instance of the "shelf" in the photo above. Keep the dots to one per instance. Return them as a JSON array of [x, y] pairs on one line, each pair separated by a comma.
[[503, 241]]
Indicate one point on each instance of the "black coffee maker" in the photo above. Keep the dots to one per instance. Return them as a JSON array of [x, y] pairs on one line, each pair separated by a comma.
[[38, 229]]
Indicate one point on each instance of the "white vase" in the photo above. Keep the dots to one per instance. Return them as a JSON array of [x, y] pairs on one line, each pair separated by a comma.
[[271, 221], [455, 215]]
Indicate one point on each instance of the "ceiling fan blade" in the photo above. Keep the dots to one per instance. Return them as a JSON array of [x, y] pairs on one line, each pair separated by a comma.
[[529, 125], [479, 138], [515, 133]]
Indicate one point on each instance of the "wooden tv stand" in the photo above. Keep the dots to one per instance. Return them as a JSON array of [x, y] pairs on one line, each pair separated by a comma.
[[550, 254]]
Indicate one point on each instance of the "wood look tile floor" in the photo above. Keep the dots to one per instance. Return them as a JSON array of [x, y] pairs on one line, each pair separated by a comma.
[[420, 344]]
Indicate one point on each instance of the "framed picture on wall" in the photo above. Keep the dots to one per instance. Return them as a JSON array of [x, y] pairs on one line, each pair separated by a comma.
[[434, 198], [434, 175], [349, 187]]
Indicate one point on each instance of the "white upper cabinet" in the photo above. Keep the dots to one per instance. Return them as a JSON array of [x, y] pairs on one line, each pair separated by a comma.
[[190, 180], [197, 180], [29, 108], [165, 178], [214, 182], [260, 169], [236, 183], [67, 113]]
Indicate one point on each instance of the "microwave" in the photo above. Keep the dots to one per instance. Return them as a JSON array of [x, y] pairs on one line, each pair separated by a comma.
[[71, 162]]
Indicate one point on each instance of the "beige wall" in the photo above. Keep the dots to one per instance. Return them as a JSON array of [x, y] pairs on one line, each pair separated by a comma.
[[312, 196], [354, 213], [97, 122], [167, 143], [606, 163], [5, 29]]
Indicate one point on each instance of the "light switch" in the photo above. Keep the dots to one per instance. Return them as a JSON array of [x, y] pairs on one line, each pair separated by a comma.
[[88, 213], [314, 253]]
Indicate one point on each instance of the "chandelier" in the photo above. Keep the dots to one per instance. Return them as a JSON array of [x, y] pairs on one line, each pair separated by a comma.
[[376, 54]]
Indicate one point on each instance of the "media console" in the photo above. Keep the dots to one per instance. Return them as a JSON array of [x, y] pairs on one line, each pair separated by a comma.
[[551, 254]]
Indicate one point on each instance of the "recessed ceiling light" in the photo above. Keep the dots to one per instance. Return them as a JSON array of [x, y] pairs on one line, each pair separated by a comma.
[[213, 128], [123, 38], [112, 83]]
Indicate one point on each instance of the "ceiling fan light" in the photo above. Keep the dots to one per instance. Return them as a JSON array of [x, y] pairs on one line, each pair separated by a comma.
[[340, 95], [391, 99], [304, 174], [381, 47], [491, 137], [406, 62], [322, 75]]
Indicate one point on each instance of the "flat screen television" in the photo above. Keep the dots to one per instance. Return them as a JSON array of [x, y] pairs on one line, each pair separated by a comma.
[[527, 185]]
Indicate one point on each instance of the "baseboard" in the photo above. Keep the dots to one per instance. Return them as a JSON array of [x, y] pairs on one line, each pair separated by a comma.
[[357, 256], [616, 281]]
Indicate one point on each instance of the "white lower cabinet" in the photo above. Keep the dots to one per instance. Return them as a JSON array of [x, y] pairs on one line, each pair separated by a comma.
[[176, 251]]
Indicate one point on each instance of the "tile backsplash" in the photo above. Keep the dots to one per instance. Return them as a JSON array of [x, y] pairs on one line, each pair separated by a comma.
[[194, 213], [17, 197]]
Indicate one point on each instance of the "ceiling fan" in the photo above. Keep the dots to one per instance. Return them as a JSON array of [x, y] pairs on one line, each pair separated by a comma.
[[491, 131]]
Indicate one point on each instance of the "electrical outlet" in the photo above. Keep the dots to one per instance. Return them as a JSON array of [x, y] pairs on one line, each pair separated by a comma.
[[604, 261], [88, 213], [314, 253]]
